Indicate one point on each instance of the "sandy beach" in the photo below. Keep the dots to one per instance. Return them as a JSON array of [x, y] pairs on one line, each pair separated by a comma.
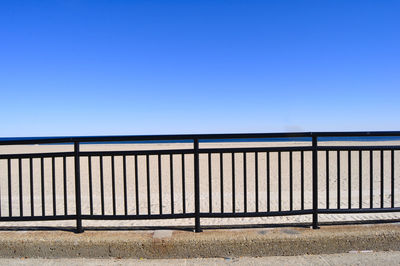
[[188, 188]]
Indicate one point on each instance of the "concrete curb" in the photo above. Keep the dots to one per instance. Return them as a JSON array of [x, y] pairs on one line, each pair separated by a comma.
[[210, 243]]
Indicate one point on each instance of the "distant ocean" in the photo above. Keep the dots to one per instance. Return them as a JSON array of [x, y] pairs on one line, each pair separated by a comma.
[[299, 139], [273, 140]]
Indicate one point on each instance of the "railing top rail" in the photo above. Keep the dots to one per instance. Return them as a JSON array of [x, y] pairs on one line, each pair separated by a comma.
[[44, 140]]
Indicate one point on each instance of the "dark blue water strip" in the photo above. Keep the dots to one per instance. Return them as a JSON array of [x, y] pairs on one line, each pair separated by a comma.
[[299, 139]]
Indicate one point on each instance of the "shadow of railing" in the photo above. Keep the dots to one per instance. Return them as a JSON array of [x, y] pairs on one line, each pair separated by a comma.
[[190, 228]]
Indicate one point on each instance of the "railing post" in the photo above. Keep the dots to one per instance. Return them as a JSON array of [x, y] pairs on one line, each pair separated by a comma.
[[315, 182], [79, 228], [197, 227]]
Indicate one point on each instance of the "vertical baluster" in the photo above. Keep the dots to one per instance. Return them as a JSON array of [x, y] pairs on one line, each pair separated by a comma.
[[315, 181], [42, 184], [136, 186], [349, 178], [171, 175], [183, 184], [371, 179], [279, 181], [64, 185], [256, 177], [302, 178], [221, 175], [233, 184], [148, 184], [338, 179], [125, 185], [0, 201], [21, 198], [382, 178], [245, 180], [113, 185], [102, 184], [327, 179], [159, 184], [90, 185], [79, 228], [291, 180], [53, 177], [392, 178], [209, 184], [9, 188], [196, 185], [268, 182], [360, 178], [31, 185]]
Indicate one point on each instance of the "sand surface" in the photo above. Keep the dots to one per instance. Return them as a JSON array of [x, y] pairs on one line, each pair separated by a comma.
[[188, 186]]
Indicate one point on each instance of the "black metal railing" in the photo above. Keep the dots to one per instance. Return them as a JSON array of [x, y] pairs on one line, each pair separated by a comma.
[[193, 181]]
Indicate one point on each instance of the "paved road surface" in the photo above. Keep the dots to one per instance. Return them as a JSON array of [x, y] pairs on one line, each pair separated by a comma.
[[352, 258]]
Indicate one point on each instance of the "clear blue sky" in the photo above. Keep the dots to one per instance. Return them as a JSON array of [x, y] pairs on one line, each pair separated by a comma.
[[155, 67]]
